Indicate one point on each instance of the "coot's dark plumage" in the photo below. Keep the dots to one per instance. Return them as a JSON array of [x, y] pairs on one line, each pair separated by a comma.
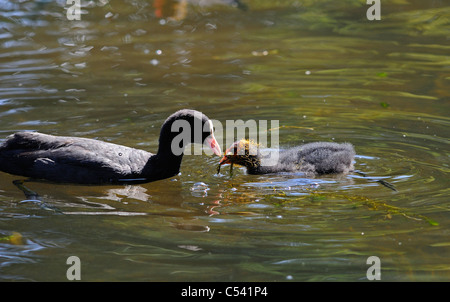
[[316, 158], [90, 161]]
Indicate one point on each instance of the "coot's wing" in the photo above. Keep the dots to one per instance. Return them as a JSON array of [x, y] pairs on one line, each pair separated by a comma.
[[32, 141], [69, 159]]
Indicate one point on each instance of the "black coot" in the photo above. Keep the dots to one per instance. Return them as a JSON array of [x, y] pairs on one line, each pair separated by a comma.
[[313, 158], [89, 161]]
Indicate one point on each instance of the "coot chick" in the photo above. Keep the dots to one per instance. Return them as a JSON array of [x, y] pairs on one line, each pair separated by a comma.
[[313, 158], [90, 161]]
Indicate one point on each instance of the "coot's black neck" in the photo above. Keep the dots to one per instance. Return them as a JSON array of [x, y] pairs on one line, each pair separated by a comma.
[[176, 132], [167, 161]]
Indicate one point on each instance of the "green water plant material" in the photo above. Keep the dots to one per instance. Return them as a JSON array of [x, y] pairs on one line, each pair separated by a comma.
[[15, 238], [375, 205]]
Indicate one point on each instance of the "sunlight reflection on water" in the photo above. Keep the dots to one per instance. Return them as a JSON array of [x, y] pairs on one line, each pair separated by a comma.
[[326, 76]]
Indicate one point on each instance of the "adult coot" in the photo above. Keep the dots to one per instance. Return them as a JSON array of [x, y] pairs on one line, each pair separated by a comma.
[[90, 161], [313, 158]]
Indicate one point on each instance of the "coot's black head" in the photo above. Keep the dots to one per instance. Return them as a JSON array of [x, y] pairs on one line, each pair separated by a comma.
[[184, 127], [243, 153]]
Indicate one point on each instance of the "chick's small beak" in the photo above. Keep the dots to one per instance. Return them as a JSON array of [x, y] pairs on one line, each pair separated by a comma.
[[224, 160]]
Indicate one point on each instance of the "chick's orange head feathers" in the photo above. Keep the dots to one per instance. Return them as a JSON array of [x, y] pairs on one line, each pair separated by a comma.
[[237, 149]]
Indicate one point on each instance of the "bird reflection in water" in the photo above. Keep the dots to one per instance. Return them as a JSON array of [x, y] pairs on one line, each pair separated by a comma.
[[177, 9], [171, 9]]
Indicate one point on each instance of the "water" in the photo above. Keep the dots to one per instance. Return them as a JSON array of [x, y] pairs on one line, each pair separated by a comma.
[[319, 67]]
